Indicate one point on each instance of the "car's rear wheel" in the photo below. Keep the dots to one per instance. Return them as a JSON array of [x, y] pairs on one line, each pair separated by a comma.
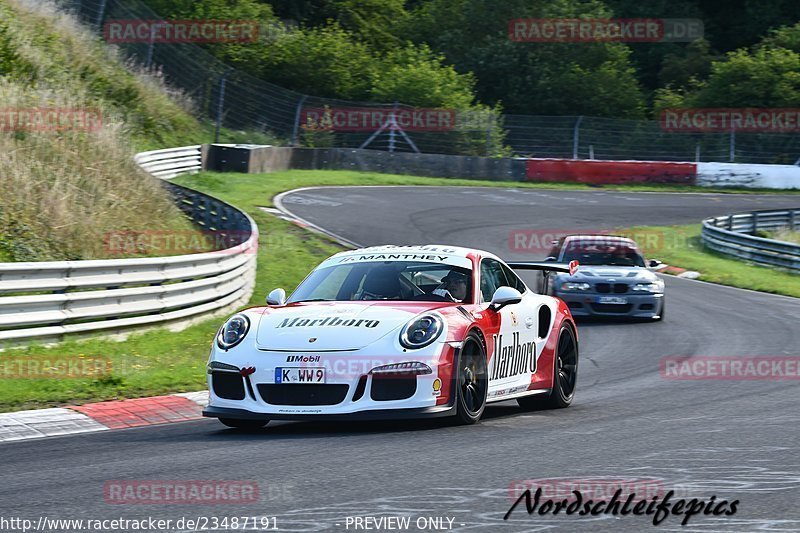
[[565, 375], [241, 423], [472, 380]]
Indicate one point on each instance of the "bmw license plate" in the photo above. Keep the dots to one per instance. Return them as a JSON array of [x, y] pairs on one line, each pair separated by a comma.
[[299, 375], [618, 300]]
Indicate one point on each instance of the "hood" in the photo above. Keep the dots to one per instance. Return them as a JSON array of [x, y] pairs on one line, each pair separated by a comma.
[[617, 273], [335, 326]]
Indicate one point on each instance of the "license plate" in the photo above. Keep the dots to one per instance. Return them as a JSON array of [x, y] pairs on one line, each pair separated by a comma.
[[618, 300], [299, 375]]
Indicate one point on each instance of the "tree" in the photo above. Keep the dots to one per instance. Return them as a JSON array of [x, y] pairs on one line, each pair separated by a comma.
[[374, 22], [767, 76], [531, 78], [327, 61], [692, 63], [416, 76]]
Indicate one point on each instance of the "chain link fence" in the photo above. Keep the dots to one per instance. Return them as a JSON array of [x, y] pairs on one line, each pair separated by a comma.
[[239, 101], [620, 139]]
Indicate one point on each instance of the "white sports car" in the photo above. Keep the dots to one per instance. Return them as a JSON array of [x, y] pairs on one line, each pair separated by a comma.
[[396, 332]]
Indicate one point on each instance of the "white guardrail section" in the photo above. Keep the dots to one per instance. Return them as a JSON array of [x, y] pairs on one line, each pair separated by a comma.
[[44, 301]]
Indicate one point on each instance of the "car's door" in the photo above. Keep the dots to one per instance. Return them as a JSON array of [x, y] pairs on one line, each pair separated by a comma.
[[511, 345]]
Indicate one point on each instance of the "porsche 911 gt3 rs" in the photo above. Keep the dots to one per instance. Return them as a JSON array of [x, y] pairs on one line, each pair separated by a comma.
[[396, 332]]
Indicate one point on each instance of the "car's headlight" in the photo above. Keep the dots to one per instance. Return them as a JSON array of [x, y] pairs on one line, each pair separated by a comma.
[[656, 286], [421, 331], [412, 367], [233, 331], [575, 286]]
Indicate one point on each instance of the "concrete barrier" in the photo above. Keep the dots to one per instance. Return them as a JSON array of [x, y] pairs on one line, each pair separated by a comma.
[[610, 172], [266, 159], [751, 176]]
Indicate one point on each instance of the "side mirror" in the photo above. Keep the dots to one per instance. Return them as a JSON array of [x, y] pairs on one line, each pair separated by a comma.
[[504, 296], [653, 263], [276, 297]]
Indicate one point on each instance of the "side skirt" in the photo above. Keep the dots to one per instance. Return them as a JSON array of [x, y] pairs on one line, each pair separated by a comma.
[[518, 395]]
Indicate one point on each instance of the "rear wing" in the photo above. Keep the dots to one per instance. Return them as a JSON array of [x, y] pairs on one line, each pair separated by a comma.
[[545, 266]]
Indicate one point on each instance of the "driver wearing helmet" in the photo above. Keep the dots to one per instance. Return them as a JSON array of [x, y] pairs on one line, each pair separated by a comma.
[[453, 287]]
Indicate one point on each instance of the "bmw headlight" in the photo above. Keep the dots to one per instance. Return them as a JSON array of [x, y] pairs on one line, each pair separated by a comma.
[[233, 331], [421, 331], [575, 286], [654, 287]]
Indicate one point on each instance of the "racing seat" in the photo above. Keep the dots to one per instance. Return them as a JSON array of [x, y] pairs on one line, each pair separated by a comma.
[[381, 284]]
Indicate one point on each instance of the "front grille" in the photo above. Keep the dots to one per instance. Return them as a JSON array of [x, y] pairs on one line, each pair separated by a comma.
[[618, 288], [611, 308], [386, 387], [305, 394], [228, 385], [575, 305]]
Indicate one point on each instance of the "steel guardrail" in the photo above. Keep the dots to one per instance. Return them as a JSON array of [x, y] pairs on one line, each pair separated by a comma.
[[735, 235], [44, 301]]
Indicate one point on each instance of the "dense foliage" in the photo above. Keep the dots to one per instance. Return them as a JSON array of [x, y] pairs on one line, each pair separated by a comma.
[[458, 53]]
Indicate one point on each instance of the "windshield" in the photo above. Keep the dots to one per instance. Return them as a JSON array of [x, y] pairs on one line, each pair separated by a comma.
[[588, 253], [389, 280]]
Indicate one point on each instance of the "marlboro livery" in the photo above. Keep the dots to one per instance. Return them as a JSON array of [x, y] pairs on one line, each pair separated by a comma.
[[396, 332]]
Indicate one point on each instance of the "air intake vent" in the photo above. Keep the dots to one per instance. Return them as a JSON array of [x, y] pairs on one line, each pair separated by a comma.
[[228, 385]]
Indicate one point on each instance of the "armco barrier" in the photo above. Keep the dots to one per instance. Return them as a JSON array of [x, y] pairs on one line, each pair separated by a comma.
[[44, 301], [733, 235]]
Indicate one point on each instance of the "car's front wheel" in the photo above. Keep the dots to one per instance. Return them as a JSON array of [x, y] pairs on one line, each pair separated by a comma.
[[565, 375], [241, 423], [472, 381]]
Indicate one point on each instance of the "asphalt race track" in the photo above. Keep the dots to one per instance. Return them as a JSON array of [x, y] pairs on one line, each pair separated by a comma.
[[730, 439]]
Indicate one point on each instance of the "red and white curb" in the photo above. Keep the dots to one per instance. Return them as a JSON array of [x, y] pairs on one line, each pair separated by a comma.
[[680, 272], [102, 416]]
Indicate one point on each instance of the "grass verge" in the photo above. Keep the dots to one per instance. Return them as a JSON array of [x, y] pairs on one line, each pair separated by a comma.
[[160, 361], [681, 246]]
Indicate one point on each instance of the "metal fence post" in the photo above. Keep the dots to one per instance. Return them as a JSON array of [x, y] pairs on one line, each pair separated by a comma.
[[220, 103], [489, 135], [150, 45], [733, 145], [697, 153], [100, 15], [576, 137], [296, 129], [392, 128]]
